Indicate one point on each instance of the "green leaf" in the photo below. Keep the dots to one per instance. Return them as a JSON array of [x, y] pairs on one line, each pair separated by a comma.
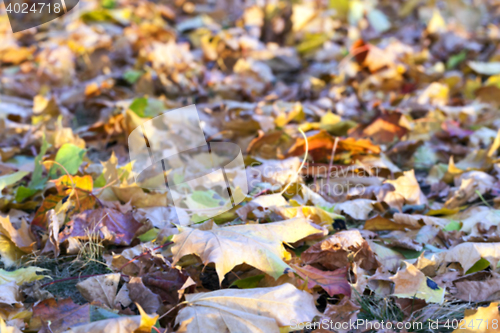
[[149, 235], [249, 282], [456, 59], [100, 181], [480, 265], [108, 4], [37, 180], [24, 193], [70, 157], [131, 76], [11, 179], [408, 254], [452, 226], [206, 198], [139, 106]]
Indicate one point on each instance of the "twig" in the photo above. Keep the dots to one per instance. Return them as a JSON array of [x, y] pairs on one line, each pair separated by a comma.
[[331, 162], [72, 182], [301, 165], [172, 309]]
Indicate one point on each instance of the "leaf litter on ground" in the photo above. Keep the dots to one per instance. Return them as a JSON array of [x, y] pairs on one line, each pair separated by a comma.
[[371, 139]]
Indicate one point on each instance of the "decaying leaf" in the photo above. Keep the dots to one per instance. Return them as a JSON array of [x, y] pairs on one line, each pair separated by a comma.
[[334, 252], [332, 282], [103, 289], [246, 310], [111, 225], [260, 246]]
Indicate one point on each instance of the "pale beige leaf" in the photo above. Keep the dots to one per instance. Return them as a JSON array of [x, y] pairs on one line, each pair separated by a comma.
[[358, 209], [407, 186], [114, 325], [258, 310], [485, 68], [467, 254], [10, 295], [101, 288], [259, 245]]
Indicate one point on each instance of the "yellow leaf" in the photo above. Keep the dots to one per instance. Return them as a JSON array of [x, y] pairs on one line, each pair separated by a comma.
[[9, 329], [9, 252], [146, 321], [411, 282], [20, 237], [21, 275], [483, 320]]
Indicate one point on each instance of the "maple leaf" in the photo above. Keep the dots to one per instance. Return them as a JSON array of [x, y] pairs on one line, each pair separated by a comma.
[[260, 245], [258, 310]]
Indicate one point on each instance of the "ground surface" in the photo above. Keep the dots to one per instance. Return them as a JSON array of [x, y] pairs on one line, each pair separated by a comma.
[[369, 132]]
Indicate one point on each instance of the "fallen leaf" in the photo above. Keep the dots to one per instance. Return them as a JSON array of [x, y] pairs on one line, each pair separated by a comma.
[[334, 283], [262, 310], [411, 282], [333, 253], [8, 329], [485, 68], [11, 179], [111, 225], [21, 275], [103, 289], [477, 291], [260, 246], [143, 296], [346, 311], [467, 254], [10, 295], [60, 314], [484, 316]]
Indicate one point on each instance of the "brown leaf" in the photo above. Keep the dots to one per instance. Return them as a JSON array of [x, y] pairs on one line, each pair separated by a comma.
[[166, 284], [334, 283], [321, 145], [61, 314], [112, 226], [138, 293], [344, 312], [478, 291], [333, 252], [383, 129]]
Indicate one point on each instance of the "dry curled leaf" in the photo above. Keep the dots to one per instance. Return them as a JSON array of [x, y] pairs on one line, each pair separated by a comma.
[[258, 310]]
